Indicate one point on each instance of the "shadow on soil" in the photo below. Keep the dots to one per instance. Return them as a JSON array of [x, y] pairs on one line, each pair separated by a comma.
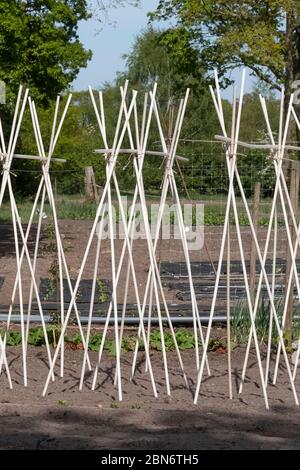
[[139, 429]]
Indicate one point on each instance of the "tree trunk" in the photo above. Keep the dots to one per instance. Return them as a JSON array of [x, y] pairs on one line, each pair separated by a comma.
[[292, 71], [289, 66]]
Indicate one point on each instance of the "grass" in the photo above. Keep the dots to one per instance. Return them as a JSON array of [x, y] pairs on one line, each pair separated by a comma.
[[67, 207], [241, 323], [77, 208]]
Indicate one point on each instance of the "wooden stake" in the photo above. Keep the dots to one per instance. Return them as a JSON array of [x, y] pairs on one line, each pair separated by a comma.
[[290, 292], [253, 253], [91, 192]]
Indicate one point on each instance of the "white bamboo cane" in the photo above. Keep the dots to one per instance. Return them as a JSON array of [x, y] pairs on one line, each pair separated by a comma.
[[153, 263], [233, 123], [60, 268], [214, 299], [48, 185], [7, 165], [280, 332], [270, 333], [3, 354], [170, 174], [273, 207], [277, 189], [145, 140], [17, 120], [51, 150], [162, 202], [122, 254], [290, 280], [252, 314], [297, 229], [133, 225], [19, 284], [149, 320], [98, 212], [153, 266], [138, 167], [21, 262], [34, 263], [128, 244], [94, 283], [188, 265], [231, 198], [17, 219], [102, 127]]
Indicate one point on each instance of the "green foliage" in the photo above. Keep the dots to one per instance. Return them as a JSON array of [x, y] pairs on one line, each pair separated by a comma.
[[240, 328], [230, 33], [39, 45], [185, 340], [102, 291], [75, 208], [151, 60], [241, 322], [184, 337], [35, 336], [114, 405], [62, 402], [13, 338]]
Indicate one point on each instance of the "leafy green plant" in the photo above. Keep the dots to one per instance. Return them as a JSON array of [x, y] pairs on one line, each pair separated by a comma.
[[35, 336], [128, 343], [102, 291], [13, 337], [241, 322], [50, 245], [185, 339]]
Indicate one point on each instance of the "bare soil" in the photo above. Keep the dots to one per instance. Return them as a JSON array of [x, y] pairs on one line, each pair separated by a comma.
[[69, 419], [75, 234]]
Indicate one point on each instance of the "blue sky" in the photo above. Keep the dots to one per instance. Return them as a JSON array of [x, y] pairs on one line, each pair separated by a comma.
[[109, 43], [112, 41]]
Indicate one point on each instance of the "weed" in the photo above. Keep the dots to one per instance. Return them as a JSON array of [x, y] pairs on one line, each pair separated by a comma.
[[241, 322], [136, 406], [102, 291]]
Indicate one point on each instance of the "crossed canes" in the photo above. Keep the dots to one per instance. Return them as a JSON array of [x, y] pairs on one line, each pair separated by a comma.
[[8, 156], [119, 136], [281, 188], [139, 191], [170, 183], [139, 150], [231, 160], [44, 186]]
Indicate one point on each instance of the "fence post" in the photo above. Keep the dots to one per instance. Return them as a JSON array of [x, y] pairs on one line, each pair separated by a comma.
[[253, 253], [294, 191], [91, 192]]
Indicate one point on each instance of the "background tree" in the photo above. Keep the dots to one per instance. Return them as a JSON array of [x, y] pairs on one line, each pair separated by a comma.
[[151, 59], [262, 35], [39, 45]]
